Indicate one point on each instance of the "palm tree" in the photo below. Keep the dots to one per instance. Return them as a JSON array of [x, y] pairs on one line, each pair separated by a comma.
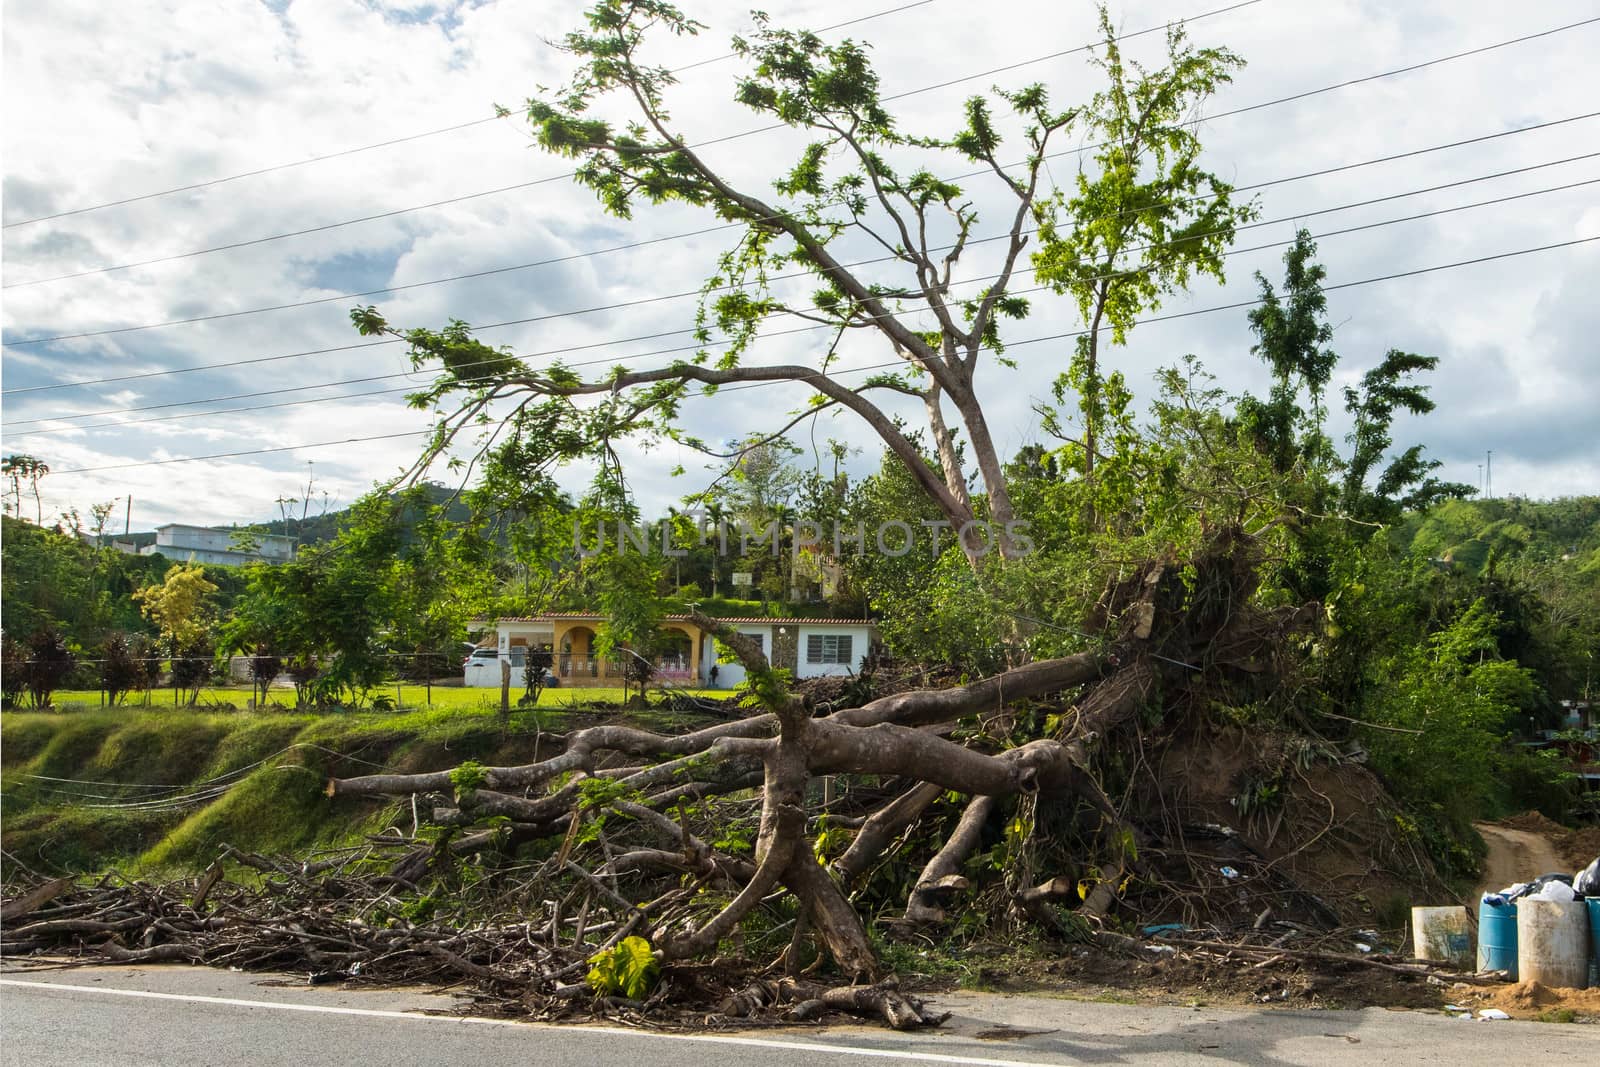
[[18, 467]]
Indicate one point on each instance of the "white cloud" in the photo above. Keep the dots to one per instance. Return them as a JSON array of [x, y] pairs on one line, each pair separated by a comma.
[[191, 91]]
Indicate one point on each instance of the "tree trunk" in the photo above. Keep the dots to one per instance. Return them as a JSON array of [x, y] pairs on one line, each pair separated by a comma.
[[505, 689], [1001, 514], [954, 476], [881, 828]]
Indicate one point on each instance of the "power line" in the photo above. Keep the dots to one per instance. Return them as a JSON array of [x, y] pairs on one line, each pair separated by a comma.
[[246, 452], [253, 173], [224, 411], [632, 245], [386, 144], [1415, 66], [566, 174], [981, 74], [805, 329], [856, 370], [123, 424], [774, 126]]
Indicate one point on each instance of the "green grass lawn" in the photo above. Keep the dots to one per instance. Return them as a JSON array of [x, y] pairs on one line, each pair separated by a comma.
[[410, 696]]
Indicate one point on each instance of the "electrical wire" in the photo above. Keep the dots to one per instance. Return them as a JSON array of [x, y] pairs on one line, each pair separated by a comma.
[[981, 74], [142, 375], [389, 143], [855, 370], [633, 245], [613, 360]]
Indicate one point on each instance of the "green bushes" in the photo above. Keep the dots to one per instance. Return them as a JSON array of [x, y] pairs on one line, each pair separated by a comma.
[[1442, 710]]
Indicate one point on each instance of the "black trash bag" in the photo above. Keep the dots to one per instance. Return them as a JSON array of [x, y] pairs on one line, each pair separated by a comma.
[[1586, 883]]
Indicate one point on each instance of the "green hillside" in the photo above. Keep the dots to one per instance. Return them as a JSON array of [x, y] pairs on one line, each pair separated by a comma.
[[1471, 533]]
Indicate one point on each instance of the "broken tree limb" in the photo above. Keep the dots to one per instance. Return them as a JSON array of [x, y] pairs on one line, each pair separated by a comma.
[[882, 827], [34, 899], [788, 827], [933, 885], [923, 706], [912, 708], [883, 1001], [831, 915], [581, 748]]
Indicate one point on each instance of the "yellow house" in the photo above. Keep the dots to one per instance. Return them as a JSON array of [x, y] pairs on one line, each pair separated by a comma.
[[685, 655]]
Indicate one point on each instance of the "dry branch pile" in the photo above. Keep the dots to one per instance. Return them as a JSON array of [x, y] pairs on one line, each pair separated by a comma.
[[331, 922]]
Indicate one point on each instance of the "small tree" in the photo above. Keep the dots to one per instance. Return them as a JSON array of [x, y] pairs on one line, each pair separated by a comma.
[[48, 664], [265, 665], [146, 651], [637, 670], [627, 586], [20, 468], [303, 670], [122, 668], [535, 672], [13, 670], [191, 666], [102, 519], [179, 605]]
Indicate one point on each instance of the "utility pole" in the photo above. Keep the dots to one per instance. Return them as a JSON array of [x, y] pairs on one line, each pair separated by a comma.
[[127, 517], [1480, 481], [1488, 475]]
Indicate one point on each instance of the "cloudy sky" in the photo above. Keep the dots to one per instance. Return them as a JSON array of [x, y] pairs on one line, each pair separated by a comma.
[[107, 102]]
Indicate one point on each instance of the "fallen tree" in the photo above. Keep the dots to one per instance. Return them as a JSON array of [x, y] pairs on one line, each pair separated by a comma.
[[633, 812], [636, 872]]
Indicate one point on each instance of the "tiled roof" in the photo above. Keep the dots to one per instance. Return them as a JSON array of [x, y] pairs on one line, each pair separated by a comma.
[[580, 616], [773, 619]]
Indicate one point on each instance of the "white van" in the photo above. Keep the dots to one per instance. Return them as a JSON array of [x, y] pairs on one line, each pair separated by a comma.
[[481, 668]]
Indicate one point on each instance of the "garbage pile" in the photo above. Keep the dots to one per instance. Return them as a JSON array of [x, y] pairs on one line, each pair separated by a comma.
[[1545, 930]]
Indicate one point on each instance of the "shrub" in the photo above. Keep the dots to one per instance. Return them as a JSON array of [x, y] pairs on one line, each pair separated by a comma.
[[49, 662], [630, 969], [122, 668]]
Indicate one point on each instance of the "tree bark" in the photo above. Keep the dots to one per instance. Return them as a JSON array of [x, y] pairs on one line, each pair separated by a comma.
[[831, 915], [881, 828], [938, 879]]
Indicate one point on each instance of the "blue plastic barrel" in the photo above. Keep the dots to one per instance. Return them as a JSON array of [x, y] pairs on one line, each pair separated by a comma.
[[1497, 937], [1594, 941]]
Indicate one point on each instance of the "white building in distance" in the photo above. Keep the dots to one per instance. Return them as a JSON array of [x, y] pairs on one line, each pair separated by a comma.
[[206, 544]]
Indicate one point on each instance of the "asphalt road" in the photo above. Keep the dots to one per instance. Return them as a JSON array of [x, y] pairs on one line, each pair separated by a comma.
[[183, 1016]]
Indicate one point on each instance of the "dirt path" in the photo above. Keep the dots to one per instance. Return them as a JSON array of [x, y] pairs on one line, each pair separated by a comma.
[[1515, 856]]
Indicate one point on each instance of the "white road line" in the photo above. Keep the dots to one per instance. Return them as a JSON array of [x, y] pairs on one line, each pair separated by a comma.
[[609, 1031]]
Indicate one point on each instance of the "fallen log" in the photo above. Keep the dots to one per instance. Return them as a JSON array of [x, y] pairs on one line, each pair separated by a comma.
[[1413, 968], [34, 899]]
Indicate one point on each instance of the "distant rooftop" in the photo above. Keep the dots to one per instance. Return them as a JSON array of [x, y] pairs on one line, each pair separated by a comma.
[[589, 616]]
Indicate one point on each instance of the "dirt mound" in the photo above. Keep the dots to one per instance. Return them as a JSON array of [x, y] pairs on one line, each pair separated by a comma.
[[1305, 813], [1526, 1000], [1534, 823], [1577, 848], [1192, 978], [1516, 855], [1580, 847]]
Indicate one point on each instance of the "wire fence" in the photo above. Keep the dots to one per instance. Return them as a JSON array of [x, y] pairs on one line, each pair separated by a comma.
[[390, 696]]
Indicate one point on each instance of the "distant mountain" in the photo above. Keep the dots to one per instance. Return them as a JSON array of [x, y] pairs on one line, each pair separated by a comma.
[[313, 530], [316, 529]]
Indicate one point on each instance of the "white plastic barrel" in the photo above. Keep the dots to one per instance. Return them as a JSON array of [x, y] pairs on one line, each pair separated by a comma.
[[1553, 943], [1442, 934]]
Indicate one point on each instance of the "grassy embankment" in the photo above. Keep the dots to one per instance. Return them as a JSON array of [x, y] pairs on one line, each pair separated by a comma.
[[157, 790]]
